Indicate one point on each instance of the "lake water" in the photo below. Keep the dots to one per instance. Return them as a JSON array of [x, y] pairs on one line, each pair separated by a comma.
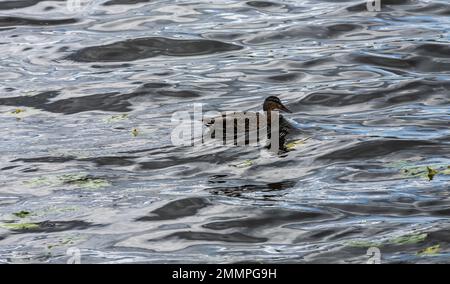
[[88, 90]]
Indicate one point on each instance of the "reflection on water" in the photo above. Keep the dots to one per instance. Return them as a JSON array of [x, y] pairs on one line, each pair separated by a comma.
[[142, 48], [369, 89]]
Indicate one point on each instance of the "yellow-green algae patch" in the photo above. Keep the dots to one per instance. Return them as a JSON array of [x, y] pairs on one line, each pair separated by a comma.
[[55, 210], [409, 239], [22, 113], [21, 214], [244, 164], [401, 240], [19, 226], [433, 250], [18, 111], [431, 173], [428, 172], [77, 180], [41, 213], [84, 181], [363, 244], [294, 144], [116, 118], [66, 241]]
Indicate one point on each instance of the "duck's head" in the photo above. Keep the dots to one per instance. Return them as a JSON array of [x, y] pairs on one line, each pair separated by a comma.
[[273, 103]]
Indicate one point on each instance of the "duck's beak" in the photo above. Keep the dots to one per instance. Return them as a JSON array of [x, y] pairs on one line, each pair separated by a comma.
[[283, 108]]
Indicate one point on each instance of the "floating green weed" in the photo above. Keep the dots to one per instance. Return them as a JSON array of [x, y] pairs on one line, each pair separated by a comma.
[[363, 244], [244, 164], [71, 240], [409, 239], [430, 250], [85, 181], [40, 181], [401, 240], [78, 180], [428, 172], [446, 171], [21, 214], [19, 226], [116, 118], [18, 111], [54, 209], [431, 173], [294, 144]]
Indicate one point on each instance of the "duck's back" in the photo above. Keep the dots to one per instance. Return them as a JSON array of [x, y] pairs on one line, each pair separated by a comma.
[[245, 128]]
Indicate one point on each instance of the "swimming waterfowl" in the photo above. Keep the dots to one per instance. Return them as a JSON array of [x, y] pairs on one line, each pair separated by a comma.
[[271, 104]]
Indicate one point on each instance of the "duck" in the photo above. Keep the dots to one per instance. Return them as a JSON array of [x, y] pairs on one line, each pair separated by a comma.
[[270, 104]]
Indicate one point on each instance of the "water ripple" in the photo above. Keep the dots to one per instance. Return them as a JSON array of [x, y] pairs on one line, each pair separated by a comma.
[[87, 160]]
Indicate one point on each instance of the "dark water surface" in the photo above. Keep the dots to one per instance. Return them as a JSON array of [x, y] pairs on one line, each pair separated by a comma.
[[370, 90]]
